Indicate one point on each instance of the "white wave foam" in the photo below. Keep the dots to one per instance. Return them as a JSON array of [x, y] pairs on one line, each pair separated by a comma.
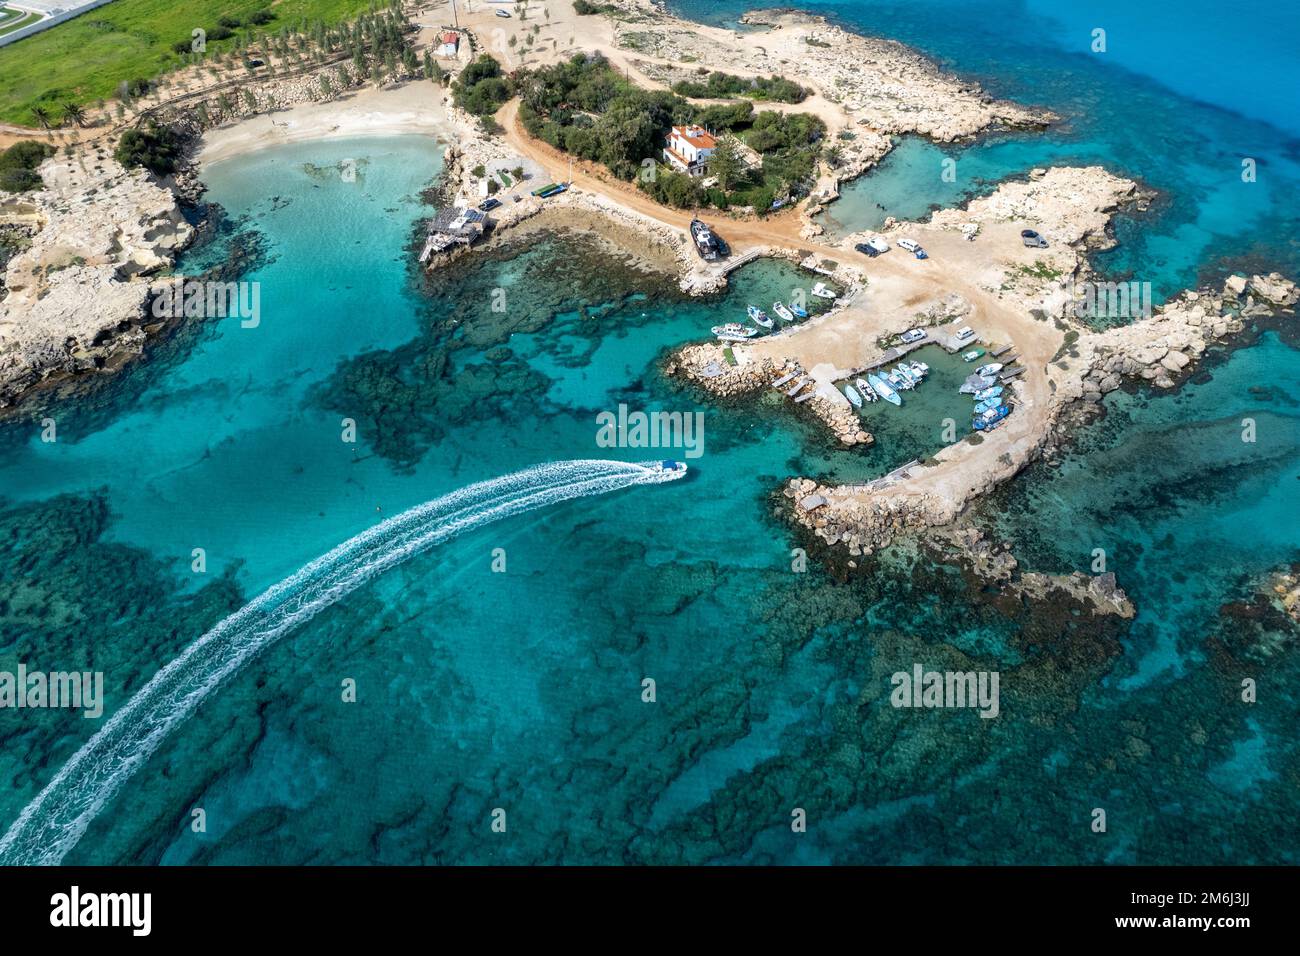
[[55, 820]]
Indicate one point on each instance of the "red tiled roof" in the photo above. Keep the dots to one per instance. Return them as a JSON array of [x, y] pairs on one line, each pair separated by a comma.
[[696, 136], [452, 38]]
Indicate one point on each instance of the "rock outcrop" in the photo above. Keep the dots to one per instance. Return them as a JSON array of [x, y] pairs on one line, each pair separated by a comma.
[[76, 296]]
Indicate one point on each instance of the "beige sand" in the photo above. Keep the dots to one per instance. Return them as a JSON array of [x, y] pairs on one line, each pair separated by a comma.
[[411, 108]]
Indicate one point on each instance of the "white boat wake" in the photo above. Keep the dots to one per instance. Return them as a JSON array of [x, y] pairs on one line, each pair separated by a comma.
[[55, 820]]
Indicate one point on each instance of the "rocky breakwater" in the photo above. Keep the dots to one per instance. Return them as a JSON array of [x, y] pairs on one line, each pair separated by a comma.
[[1163, 349], [77, 296], [842, 420], [860, 526], [707, 366]]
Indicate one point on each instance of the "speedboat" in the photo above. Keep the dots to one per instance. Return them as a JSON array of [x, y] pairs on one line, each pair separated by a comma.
[[823, 291], [799, 311], [852, 395], [883, 390], [668, 466], [972, 355], [734, 330], [987, 421], [759, 317], [920, 369], [865, 390], [989, 370], [785, 314], [898, 382], [986, 394]]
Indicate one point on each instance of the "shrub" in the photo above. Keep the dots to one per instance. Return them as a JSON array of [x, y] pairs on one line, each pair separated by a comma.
[[154, 147], [18, 166]]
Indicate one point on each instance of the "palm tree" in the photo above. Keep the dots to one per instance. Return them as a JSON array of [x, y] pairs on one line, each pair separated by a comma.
[[72, 113], [42, 117]]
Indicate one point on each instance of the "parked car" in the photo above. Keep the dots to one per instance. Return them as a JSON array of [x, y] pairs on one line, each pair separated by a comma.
[[487, 205], [913, 335], [964, 333], [1032, 239], [866, 249], [911, 245], [921, 253]]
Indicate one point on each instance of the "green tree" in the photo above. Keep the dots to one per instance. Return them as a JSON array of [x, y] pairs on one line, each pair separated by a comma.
[[726, 163], [72, 113]]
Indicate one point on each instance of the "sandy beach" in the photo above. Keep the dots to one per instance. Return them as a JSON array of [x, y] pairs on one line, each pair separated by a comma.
[[409, 108]]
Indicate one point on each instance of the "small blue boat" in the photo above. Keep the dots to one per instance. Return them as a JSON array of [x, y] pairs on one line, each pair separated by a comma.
[[987, 393], [987, 405]]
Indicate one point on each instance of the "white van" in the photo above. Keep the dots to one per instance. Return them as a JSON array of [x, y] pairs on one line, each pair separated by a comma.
[[910, 245], [965, 332]]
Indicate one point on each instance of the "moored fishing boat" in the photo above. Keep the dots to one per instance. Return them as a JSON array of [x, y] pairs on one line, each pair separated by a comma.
[[972, 355], [987, 393], [989, 370], [865, 390], [987, 404], [884, 390], [706, 244], [760, 317], [734, 330], [782, 312], [919, 369], [799, 311], [823, 291], [852, 395]]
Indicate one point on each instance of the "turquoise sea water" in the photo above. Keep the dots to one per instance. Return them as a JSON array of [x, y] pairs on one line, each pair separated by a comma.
[[522, 690]]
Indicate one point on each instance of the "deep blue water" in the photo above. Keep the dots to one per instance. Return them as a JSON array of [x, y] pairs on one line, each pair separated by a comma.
[[522, 690]]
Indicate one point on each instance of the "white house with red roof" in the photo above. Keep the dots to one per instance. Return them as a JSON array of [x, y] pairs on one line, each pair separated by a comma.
[[689, 149], [448, 44]]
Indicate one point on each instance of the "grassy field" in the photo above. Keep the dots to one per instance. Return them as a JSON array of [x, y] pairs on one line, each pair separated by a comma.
[[84, 59]]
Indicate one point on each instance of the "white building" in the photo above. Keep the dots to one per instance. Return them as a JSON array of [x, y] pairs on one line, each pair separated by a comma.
[[689, 149], [448, 44]]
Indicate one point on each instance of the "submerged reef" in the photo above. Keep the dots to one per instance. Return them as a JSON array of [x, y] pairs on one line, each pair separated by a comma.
[[461, 369]]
